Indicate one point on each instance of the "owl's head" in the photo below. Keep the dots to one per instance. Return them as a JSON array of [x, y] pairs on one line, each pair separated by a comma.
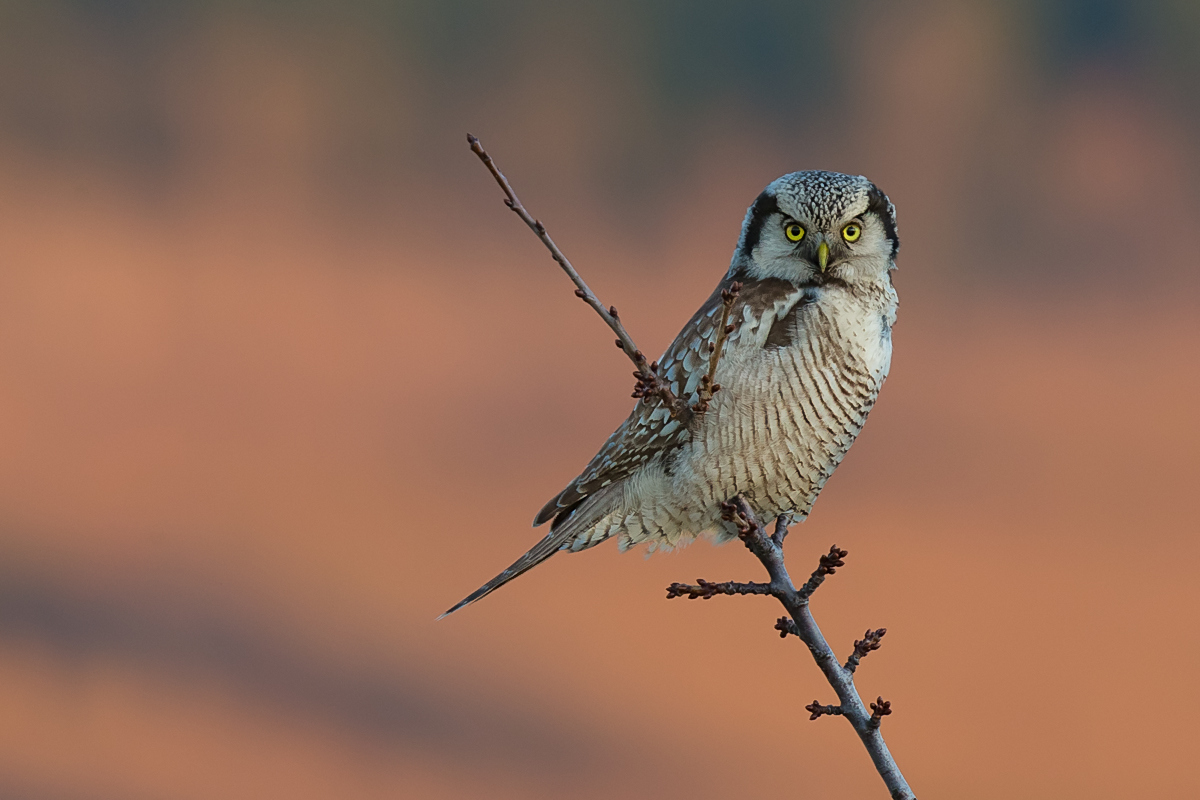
[[813, 227]]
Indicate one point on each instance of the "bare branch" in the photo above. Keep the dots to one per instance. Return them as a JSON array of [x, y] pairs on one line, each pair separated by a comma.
[[649, 384], [871, 641], [706, 591], [768, 549]]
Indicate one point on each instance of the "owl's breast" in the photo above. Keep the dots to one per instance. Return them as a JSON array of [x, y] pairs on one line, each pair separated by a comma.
[[797, 387]]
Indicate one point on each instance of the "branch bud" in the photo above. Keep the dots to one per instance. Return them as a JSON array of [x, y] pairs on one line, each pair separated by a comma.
[[879, 709]]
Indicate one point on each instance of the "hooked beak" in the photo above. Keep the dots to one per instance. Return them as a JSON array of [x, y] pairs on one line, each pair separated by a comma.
[[823, 256]]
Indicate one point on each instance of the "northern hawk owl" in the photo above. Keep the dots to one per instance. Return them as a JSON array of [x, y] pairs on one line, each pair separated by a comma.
[[809, 349]]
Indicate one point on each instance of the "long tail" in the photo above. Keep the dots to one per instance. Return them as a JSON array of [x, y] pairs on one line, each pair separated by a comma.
[[547, 547], [587, 515]]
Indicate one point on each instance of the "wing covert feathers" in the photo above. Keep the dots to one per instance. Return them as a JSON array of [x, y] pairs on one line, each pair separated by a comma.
[[649, 429]]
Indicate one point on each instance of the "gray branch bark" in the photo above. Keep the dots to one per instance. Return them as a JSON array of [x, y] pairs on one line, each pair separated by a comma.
[[769, 550]]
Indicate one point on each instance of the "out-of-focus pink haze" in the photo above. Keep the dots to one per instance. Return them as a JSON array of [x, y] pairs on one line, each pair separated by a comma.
[[285, 380]]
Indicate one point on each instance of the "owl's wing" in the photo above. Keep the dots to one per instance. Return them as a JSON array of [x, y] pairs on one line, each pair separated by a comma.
[[649, 429]]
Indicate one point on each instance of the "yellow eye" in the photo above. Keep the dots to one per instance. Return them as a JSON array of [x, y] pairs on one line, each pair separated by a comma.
[[794, 232], [851, 232]]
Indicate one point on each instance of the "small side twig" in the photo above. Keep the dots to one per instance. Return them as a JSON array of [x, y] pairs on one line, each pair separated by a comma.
[[871, 641], [817, 710], [649, 384], [708, 387], [706, 590], [879, 709], [828, 565], [786, 626]]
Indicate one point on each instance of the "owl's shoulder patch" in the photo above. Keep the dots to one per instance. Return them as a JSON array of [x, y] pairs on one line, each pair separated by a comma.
[[766, 311], [760, 294], [786, 330]]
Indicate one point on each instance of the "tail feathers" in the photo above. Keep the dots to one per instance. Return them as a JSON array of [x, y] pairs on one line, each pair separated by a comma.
[[579, 518], [548, 546]]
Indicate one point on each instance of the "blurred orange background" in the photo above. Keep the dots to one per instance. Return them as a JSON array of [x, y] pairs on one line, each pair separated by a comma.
[[281, 380]]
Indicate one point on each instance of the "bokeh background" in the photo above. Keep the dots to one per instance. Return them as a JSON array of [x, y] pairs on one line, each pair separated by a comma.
[[281, 379]]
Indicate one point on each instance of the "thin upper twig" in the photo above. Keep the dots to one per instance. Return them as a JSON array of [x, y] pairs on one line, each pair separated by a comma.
[[649, 383], [708, 385]]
